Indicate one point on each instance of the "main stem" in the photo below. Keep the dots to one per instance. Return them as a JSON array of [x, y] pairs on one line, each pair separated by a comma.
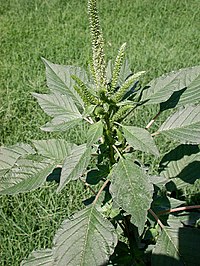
[[109, 138]]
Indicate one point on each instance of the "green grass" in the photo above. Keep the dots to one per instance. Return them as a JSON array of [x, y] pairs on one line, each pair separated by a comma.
[[161, 36]]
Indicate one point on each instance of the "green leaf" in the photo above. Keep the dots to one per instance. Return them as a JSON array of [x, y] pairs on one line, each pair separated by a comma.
[[86, 239], [131, 190], [57, 104], [158, 181], [39, 258], [62, 123], [19, 173], [55, 149], [181, 165], [62, 108], [140, 139], [59, 80], [184, 125], [163, 87], [173, 221], [192, 93], [189, 218], [9, 156], [177, 246], [26, 175], [89, 239], [74, 165], [94, 133]]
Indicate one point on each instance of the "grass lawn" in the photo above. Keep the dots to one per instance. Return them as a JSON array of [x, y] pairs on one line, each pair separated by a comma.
[[161, 36]]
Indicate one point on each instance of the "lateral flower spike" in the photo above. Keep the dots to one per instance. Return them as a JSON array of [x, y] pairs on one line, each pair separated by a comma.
[[117, 67], [121, 113], [126, 85], [98, 56], [87, 97]]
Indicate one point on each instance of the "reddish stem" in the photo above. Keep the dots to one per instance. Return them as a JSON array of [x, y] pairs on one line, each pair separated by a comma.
[[101, 189], [153, 120], [87, 185], [156, 218], [179, 209]]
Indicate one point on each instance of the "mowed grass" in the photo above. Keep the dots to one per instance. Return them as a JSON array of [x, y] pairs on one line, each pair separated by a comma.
[[161, 36]]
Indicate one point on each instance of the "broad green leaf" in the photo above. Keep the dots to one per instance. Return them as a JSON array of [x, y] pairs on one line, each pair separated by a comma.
[[184, 125], [9, 156], [57, 104], [181, 165], [140, 139], [62, 123], [19, 173], [26, 175], [192, 93], [59, 80], [55, 149], [74, 165], [159, 181], [89, 111], [62, 107], [131, 190], [190, 218], [86, 239], [177, 246], [163, 87], [173, 221], [40, 258], [94, 133]]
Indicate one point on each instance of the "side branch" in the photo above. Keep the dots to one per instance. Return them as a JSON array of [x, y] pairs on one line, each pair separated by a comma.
[[186, 208], [101, 189], [156, 218], [153, 120]]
